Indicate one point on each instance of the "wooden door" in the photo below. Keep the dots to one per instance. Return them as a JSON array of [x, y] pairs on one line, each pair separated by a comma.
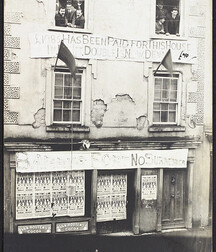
[[173, 204]]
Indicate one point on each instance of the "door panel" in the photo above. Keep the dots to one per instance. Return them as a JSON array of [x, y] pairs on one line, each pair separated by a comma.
[[148, 206], [174, 185]]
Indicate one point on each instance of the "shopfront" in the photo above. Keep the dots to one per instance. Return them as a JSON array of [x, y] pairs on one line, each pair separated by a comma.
[[100, 191]]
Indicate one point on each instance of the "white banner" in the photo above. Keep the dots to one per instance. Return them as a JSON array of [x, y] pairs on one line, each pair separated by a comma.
[[87, 160], [88, 46]]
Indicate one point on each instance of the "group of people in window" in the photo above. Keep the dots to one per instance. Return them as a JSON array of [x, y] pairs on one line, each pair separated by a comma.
[[69, 16], [167, 20]]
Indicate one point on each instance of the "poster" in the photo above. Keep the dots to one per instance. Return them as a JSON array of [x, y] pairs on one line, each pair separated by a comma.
[[43, 182], [24, 183], [24, 206], [104, 210], [49, 194], [111, 197], [42, 205], [149, 187]]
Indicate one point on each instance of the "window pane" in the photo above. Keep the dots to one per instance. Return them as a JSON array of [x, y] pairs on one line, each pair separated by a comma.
[[166, 83], [157, 95], [66, 115], [76, 93], [67, 92], [165, 95], [158, 83], [76, 115], [172, 116], [68, 80], [67, 104], [156, 106], [58, 79], [57, 104], [172, 106], [78, 81], [173, 96], [174, 84], [58, 92], [164, 116], [57, 115], [76, 105], [164, 106], [156, 117]]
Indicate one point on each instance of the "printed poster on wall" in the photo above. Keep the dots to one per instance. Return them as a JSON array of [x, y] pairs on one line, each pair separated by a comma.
[[111, 197], [149, 187], [40, 195]]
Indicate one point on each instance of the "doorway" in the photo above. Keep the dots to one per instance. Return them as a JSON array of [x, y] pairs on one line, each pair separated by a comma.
[[116, 221], [174, 197]]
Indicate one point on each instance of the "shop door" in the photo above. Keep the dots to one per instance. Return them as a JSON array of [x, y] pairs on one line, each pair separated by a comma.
[[173, 208], [109, 219]]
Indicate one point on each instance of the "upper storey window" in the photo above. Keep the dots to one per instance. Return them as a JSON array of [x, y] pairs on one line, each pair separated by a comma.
[[70, 13], [167, 17]]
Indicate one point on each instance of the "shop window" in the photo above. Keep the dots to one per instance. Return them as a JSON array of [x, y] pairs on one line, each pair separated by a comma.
[[67, 98], [52, 194], [70, 13], [166, 99], [168, 18]]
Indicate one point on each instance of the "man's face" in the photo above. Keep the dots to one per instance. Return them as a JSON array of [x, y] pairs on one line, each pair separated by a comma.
[[62, 12], [174, 13], [69, 7], [79, 13], [160, 6]]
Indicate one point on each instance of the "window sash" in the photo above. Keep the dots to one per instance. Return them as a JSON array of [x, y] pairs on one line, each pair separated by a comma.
[[67, 106], [165, 109]]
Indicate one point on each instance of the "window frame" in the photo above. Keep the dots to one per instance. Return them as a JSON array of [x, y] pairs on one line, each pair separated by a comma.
[[62, 69], [178, 102], [183, 25]]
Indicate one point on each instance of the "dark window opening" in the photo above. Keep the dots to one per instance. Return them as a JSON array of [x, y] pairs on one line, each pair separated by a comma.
[[70, 13], [167, 17]]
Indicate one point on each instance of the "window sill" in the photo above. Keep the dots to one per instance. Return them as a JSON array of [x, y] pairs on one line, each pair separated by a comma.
[[169, 37], [166, 128], [69, 29], [68, 128]]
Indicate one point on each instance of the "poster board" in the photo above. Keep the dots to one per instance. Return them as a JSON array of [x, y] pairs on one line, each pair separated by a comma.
[[111, 197], [40, 195]]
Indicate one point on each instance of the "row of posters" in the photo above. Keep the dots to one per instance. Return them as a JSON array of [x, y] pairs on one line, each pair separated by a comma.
[[50, 194], [111, 197]]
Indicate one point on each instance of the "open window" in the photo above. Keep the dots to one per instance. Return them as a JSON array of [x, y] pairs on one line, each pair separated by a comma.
[[67, 96], [168, 18], [166, 102], [70, 13]]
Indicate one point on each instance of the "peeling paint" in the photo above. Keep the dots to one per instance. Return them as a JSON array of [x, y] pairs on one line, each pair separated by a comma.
[[98, 111], [142, 122], [123, 97], [39, 117]]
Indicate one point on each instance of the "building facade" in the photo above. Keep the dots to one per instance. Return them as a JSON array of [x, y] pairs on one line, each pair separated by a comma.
[[119, 146]]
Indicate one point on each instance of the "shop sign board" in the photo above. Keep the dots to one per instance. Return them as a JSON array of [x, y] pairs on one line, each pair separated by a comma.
[[149, 187], [27, 162], [34, 229], [72, 227], [90, 46]]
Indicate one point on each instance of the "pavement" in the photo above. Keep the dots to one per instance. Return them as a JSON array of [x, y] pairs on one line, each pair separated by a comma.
[[178, 240]]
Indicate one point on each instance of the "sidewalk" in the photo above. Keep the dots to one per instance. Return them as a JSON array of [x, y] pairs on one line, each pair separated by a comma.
[[181, 240]]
